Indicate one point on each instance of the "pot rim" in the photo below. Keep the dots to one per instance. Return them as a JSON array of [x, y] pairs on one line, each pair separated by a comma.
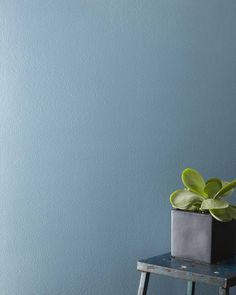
[[191, 212]]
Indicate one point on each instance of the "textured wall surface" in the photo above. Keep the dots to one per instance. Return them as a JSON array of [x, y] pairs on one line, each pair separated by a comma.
[[103, 103]]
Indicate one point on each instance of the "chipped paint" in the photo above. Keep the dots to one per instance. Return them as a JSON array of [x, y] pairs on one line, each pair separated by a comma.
[[222, 274]]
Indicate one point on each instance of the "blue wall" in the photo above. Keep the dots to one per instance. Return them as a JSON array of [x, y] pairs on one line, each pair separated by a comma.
[[103, 103]]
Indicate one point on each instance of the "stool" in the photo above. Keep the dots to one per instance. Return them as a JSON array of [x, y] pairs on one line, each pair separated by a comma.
[[222, 274]]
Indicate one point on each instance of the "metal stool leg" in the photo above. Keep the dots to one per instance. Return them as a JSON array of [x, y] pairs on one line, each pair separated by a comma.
[[224, 291], [143, 284], [191, 288]]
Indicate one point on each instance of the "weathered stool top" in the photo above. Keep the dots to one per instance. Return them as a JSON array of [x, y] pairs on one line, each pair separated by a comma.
[[220, 274]]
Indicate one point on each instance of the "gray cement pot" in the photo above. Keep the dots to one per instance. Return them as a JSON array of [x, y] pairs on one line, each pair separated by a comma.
[[200, 237]]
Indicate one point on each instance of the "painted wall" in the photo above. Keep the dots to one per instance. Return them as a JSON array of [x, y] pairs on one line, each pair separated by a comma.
[[103, 103]]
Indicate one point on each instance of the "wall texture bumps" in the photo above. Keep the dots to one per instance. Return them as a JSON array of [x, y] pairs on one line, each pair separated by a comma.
[[103, 103]]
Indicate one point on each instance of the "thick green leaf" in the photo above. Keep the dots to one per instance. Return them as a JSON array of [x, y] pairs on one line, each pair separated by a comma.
[[221, 214], [224, 183], [213, 185], [194, 208], [184, 199], [213, 204], [232, 211], [214, 179], [193, 181], [228, 187]]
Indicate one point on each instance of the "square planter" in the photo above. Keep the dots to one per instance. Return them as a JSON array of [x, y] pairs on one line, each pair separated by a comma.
[[200, 237]]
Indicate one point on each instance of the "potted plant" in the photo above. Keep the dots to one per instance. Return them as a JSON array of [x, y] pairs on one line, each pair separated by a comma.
[[203, 223]]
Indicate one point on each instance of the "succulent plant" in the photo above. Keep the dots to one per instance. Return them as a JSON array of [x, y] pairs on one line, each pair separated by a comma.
[[205, 196]]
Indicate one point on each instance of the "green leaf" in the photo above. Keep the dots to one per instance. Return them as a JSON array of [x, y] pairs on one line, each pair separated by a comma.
[[183, 199], [224, 215], [194, 208], [221, 214], [213, 204], [213, 185], [193, 180], [232, 211], [225, 189], [224, 183], [214, 179]]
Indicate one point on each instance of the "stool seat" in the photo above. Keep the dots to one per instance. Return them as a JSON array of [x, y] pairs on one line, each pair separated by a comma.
[[222, 274]]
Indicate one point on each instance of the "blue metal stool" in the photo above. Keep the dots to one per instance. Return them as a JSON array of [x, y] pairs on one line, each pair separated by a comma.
[[222, 274]]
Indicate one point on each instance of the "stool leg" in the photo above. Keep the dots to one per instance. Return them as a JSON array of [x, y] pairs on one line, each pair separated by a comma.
[[143, 284], [191, 288], [224, 291]]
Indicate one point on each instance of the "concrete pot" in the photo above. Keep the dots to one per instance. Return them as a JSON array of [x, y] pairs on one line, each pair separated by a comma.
[[200, 237]]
